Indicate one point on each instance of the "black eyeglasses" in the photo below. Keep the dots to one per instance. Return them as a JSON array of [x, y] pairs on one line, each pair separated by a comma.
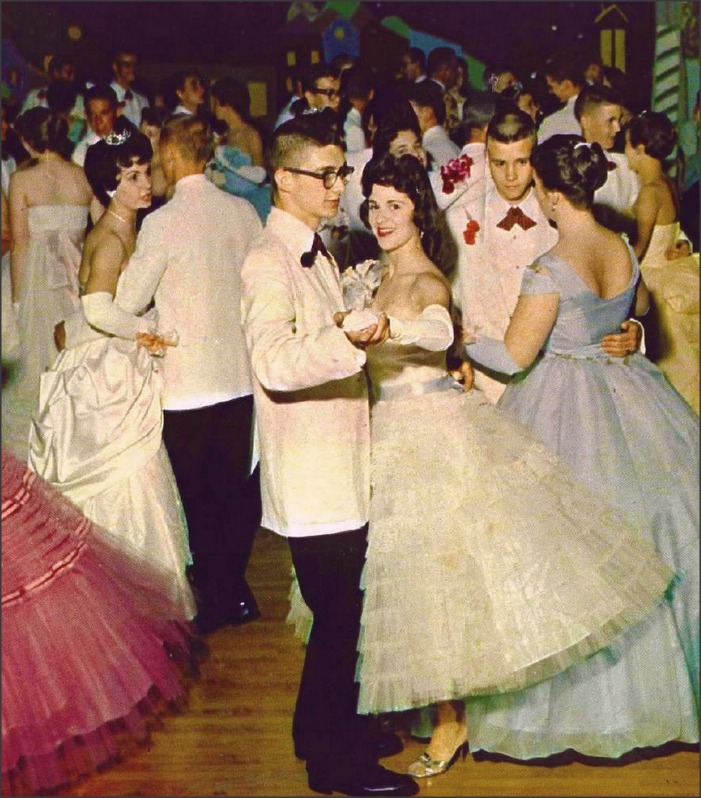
[[328, 176], [328, 92]]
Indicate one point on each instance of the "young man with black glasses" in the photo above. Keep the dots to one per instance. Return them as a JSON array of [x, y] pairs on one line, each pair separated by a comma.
[[311, 404]]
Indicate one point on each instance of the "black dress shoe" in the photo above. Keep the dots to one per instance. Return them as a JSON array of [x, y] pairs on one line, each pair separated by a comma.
[[376, 780], [383, 743], [244, 610]]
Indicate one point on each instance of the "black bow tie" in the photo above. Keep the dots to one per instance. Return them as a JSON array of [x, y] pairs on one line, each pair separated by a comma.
[[128, 96], [308, 258]]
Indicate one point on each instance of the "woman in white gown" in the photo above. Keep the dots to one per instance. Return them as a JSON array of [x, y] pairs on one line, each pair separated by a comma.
[[97, 434], [49, 203], [488, 568], [673, 341]]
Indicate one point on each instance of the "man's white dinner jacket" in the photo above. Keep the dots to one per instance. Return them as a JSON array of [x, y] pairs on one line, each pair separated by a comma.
[[188, 257], [309, 386]]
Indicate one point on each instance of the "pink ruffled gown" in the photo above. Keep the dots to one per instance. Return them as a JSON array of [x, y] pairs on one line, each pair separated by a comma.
[[92, 648]]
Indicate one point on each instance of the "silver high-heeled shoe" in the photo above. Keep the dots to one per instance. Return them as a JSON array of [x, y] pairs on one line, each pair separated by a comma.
[[425, 766]]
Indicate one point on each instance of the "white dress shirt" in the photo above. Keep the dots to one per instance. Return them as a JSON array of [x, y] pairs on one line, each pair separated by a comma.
[[181, 109], [81, 147], [132, 108], [490, 271], [438, 144], [354, 133], [188, 257], [309, 386], [561, 121]]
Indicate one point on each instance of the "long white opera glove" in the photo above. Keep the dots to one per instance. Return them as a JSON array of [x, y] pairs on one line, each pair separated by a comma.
[[102, 313], [433, 330]]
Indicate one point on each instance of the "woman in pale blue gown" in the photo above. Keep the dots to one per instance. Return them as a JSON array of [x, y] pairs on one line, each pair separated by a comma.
[[626, 433]]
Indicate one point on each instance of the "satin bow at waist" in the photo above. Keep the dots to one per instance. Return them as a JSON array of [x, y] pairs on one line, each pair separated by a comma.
[[406, 390]]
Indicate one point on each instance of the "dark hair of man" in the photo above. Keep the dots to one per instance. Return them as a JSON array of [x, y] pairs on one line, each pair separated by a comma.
[[492, 71], [509, 125], [315, 73], [407, 176], [61, 96], [356, 83], [390, 120], [293, 138], [427, 94], [120, 52], [182, 75], [439, 58], [571, 166], [655, 132], [229, 91], [152, 115], [191, 135], [591, 96], [565, 66], [101, 91], [477, 113], [417, 56], [58, 62], [103, 161], [45, 131]]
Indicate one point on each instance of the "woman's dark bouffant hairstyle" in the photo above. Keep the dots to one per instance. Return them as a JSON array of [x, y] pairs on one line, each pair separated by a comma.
[[44, 131], [104, 159], [408, 176], [655, 132], [569, 165], [390, 120]]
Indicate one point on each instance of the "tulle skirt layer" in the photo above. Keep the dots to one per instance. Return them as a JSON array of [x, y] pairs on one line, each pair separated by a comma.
[[92, 642], [488, 569]]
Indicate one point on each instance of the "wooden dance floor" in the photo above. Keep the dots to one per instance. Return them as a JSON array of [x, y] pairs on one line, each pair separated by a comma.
[[234, 738]]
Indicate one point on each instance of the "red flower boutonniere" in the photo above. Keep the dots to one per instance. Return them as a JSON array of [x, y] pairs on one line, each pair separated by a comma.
[[455, 171], [470, 232]]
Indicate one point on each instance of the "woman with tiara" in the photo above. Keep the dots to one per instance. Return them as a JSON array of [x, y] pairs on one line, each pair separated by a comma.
[[93, 647], [624, 432], [97, 433], [488, 569]]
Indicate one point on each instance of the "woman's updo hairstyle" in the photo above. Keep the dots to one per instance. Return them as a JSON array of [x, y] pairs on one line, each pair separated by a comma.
[[570, 165], [44, 131], [121, 148], [655, 132], [408, 176]]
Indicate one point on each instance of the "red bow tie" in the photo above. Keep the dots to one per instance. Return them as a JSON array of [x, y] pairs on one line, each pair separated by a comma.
[[516, 216]]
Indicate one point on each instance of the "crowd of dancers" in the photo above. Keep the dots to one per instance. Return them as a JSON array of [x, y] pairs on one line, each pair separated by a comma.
[[399, 329]]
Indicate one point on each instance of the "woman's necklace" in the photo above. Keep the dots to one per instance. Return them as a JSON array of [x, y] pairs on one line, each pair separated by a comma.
[[117, 216]]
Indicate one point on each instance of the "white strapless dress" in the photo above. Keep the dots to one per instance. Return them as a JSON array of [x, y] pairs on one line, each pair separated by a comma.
[[97, 438], [487, 568], [672, 327]]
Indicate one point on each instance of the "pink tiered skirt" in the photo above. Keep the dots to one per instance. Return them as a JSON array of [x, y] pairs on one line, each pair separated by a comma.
[[92, 647]]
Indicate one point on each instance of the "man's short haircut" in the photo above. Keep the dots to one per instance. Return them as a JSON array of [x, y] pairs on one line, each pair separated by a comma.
[[492, 72], [357, 82], [317, 72], [417, 56], [565, 66], [590, 97], [428, 94], [191, 135], [509, 125], [58, 62], [477, 112], [231, 92], [119, 51], [293, 138], [101, 91], [438, 58]]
